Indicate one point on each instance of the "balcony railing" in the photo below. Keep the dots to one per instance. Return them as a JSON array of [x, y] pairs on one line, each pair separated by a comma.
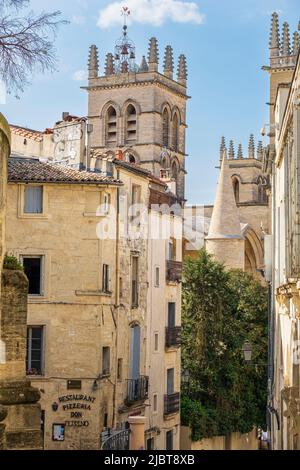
[[138, 390], [118, 441], [174, 271], [172, 403], [173, 337]]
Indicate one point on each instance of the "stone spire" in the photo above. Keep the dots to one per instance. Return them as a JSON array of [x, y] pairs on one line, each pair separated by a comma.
[[260, 150], [169, 62], [225, 240], [231, 153], [251, 147], [296, 43], [274, 36], [286, 40], [109, 65], [182, 70], [144, 66], [93, 63], [153, 55], [223, 150], [240, 152]]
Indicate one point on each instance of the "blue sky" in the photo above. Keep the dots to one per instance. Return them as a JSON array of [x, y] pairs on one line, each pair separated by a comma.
[[225, 41]]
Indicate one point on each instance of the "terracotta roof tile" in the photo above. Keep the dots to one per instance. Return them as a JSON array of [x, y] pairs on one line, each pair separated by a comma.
[[34, 171], [27, 133]]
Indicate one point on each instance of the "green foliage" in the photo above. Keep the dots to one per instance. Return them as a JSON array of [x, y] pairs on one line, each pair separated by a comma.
[[222, 309], [12, 263]]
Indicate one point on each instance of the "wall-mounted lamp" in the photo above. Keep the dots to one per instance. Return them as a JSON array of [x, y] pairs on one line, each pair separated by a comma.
[[95, 386]]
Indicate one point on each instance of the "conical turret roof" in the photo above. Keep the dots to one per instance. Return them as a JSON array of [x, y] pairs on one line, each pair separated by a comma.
[[225, 221]]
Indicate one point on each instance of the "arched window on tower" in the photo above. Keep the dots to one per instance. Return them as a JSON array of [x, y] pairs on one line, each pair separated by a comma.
[[131, 123], [111, 126], [175, 143], [262, 191], [174, 170], [236, 190], [166, 128]]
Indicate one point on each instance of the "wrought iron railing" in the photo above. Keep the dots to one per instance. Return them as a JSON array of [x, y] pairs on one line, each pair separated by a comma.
[[172, 403], [137, 389], [173, 337], [174, 271], [118, 441]]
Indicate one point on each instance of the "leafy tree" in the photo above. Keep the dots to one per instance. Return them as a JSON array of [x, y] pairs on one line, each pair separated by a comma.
[[26, 42], [222, 309]]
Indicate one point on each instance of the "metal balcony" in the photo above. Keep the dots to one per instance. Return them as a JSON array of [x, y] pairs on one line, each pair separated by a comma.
[[172, 404], [174, 271], [137, 390], [173, 337], [117, 441]]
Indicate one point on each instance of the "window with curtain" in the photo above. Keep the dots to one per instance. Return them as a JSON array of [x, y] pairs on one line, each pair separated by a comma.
[[33, 200]]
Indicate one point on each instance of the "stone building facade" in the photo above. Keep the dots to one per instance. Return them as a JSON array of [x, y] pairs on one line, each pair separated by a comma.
[[282, 162], [20, 426]]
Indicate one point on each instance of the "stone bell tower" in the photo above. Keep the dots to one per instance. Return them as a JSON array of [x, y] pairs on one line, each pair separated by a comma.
[[137, 111], [283, 57]]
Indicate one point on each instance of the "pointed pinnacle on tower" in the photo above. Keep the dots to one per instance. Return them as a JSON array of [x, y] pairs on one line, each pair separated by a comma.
[[274, 35], [240, 152], [93, 63], [223, 150], [169, 62], [109, 65], [251, 147], [286, 40], [231, 152], [260, 150], [182, 70], [296, 43], [144, 66], [153, 55]]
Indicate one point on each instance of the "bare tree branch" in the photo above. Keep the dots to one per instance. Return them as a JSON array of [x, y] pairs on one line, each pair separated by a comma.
[[26, 44]]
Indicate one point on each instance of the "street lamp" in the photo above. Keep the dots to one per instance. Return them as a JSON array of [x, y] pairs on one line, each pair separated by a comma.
[[247, 350], [185, 377]]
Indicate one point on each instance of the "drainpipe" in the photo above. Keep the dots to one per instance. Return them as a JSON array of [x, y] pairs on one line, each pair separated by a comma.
[[117, 298]]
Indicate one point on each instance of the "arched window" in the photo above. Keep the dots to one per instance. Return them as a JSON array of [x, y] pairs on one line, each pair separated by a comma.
[[175, 143], [236, 189], [166, 128], [174, 170], [111, 126], [262, 193], [131, 158], [131, 122]]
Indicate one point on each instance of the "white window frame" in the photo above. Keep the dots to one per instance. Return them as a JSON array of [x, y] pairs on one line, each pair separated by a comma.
[[43, 328]]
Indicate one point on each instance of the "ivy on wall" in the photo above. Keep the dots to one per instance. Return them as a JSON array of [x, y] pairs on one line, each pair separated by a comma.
[[221, 310]]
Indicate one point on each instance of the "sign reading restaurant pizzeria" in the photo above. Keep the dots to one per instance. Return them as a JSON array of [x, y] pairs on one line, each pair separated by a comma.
[[77, 405]]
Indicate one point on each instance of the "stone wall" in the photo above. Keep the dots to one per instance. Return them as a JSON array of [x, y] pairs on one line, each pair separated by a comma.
[[234, 441], [4, 152]]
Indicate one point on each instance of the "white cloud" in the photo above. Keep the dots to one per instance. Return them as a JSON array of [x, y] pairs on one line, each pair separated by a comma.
[[154, 12], [80, 75]]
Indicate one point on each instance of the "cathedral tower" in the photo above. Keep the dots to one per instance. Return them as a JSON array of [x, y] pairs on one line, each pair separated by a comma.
[[283, 57], [241, 210], [139, 112]]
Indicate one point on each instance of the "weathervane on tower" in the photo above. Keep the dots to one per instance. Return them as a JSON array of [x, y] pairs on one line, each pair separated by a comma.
[[125, 49]]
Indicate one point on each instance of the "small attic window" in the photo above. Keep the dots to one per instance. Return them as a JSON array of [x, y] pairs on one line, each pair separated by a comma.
[[25, 142]]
